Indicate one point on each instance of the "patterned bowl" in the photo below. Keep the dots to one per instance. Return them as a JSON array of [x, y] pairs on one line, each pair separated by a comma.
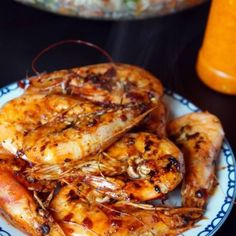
[[112, 9]]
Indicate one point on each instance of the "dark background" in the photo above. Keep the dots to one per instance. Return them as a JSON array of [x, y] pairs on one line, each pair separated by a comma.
[[166, 46]]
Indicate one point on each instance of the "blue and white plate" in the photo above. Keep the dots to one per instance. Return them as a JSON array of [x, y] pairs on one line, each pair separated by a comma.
[[220, 204]]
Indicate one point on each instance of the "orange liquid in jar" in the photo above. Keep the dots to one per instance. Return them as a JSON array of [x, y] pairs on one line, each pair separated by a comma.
[[216, 64]]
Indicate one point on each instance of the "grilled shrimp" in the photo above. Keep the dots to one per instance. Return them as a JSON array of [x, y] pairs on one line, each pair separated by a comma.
[[52, 128], [38, 125], [154, 168], [73, 136], [148, 168], [27, 112], [19, 207], [78, 214], [108, 83], [199, 135]]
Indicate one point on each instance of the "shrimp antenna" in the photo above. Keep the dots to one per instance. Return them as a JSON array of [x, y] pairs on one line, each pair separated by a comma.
[[77, 41], [123, 213]]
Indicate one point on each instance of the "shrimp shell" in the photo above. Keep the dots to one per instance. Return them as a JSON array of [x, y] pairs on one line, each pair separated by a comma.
[[199, 135], [108, 82], [19, 207], [72, 137], [138, 167], [28, 112], [154, 168], [78, 216]]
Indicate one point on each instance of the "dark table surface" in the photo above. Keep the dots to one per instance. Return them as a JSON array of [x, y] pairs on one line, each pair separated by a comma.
[[165, 46]]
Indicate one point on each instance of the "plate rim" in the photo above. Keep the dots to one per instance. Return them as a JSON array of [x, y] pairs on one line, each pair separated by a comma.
[[210, 229]]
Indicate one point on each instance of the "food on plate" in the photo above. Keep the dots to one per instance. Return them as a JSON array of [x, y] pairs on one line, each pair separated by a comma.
[[29, 111], [76, 211], [154, 168], [104, 83], [199, 135], [138, 167], [21, 210], [84, 150], [120, 94], [73, 136]]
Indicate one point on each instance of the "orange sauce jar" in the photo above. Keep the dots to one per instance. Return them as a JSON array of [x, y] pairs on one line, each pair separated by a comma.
[[216, 64]]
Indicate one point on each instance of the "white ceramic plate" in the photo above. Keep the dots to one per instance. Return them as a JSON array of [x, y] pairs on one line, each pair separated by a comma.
[[220, 203]]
